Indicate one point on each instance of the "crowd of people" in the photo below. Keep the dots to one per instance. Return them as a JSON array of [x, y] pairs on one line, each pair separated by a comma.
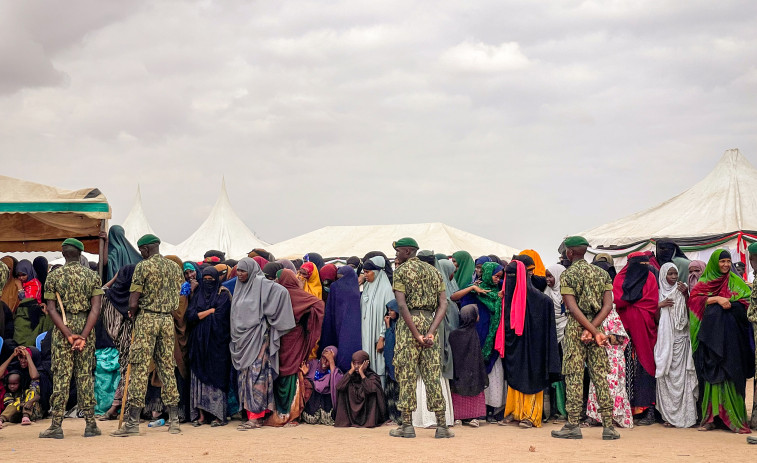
[[423, 340]]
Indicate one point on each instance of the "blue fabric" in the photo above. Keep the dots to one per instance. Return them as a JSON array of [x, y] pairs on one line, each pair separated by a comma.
[[390, 339], [230, 285], [341, 322], [107, 376]]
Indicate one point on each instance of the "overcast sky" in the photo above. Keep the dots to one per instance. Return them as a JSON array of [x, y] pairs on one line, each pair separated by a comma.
[[520, 121]]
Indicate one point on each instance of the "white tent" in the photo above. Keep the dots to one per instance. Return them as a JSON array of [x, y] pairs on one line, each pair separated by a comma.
[[718, 212], [136, 225], [223, 230], [346, 241]]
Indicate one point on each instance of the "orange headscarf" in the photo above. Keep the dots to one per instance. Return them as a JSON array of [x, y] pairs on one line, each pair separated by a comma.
[[12, 286], [539, 269]]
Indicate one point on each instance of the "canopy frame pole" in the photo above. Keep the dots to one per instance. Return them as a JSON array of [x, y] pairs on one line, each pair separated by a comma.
[[103, 255]]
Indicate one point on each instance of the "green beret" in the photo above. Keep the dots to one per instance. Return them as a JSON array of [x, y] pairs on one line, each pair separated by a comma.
[[575, 241], [405, 243], [753, 248], [75, 243], [148, 239]]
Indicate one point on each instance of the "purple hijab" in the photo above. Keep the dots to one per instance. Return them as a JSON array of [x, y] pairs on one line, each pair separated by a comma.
[[341, 323], [327, 381]]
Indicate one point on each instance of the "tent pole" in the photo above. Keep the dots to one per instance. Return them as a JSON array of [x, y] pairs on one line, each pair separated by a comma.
[[103, 256]]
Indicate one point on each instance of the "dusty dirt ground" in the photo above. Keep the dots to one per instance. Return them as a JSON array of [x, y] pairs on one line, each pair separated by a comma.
[[307, 443]]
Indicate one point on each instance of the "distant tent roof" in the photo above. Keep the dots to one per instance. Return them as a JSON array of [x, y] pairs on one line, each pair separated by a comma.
[[721, 207], [136, 226], [223, 230], [35, 217], [346, 241]]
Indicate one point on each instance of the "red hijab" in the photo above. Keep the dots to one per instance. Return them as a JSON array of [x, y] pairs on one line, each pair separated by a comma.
[[308, 317]]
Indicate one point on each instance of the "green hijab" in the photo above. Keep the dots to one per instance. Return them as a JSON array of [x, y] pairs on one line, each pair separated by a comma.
[[465, 269], [492, 301], [739, 288]]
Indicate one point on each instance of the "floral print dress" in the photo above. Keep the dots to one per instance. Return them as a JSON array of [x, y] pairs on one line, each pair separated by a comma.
[[621, 409]]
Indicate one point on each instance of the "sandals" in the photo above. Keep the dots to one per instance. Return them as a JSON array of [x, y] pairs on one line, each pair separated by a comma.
[[474, 423], [706, 427], [197, 423], [526, 424], [246, 426], [216, 423], [26, 421]]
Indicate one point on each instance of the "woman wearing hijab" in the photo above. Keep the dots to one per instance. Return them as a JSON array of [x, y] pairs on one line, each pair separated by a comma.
[[261, 312], [30, 321], [557, 389], [118, 326], [486, 296], [676, 376], [539, 269], [12, 286], [28, 277], [286, 263], [271, 269], [532, 359], [360, 398], [25, 362], [636, 298], [391, 387], [328, 275], [606, 263], [479, 265], [40, 266], [377, 292], [323, 375], [315, 259], [616, 378], [470, 379], [539, 281], [451, 318], [290, 391], [120, 251], [388, 269], [696, 268], [342, 319], [721, 343], [209, 361], [668, 251], [311, 279], [464, 269]]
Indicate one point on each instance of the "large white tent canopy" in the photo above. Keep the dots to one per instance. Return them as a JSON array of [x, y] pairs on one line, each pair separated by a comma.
[[718, 212], [346, 241], [223, 230]]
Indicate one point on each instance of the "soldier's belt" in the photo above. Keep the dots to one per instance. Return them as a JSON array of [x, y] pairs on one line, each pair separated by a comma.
[[421, 312], [72, 315], [152, 312]]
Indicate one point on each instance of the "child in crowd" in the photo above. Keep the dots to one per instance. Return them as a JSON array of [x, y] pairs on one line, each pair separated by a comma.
[[324, 375], [391, 388], [470, 378], [21, 399]]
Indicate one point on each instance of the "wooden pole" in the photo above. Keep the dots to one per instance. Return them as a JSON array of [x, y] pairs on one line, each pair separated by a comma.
[[103, 252], [126, 382], [62, 309]]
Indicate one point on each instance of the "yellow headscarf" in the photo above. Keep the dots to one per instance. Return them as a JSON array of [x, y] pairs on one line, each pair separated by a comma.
[[313, 284]]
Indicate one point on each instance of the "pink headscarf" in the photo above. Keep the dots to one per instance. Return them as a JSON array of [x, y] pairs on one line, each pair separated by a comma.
[[517, 309]]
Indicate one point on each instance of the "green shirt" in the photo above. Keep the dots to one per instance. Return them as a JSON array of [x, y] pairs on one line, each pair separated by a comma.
[[587, 283], [76, 286], [421, 284], [159, 282], [751, 311]]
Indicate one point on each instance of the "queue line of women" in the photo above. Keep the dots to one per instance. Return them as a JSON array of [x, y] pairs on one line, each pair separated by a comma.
[[282, 342]]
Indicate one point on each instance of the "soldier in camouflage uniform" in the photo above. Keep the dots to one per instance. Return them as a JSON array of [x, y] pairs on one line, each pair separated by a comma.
[[587, 293], [420, 291], [73, 343], [155, 289]]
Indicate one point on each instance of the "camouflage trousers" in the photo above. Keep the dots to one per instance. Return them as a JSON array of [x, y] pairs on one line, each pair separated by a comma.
[[154, 338], [576, 354], [410, 358], [67, 362]]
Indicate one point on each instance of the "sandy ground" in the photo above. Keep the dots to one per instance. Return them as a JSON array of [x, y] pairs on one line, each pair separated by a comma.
[[305, 443], [302, 443]]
